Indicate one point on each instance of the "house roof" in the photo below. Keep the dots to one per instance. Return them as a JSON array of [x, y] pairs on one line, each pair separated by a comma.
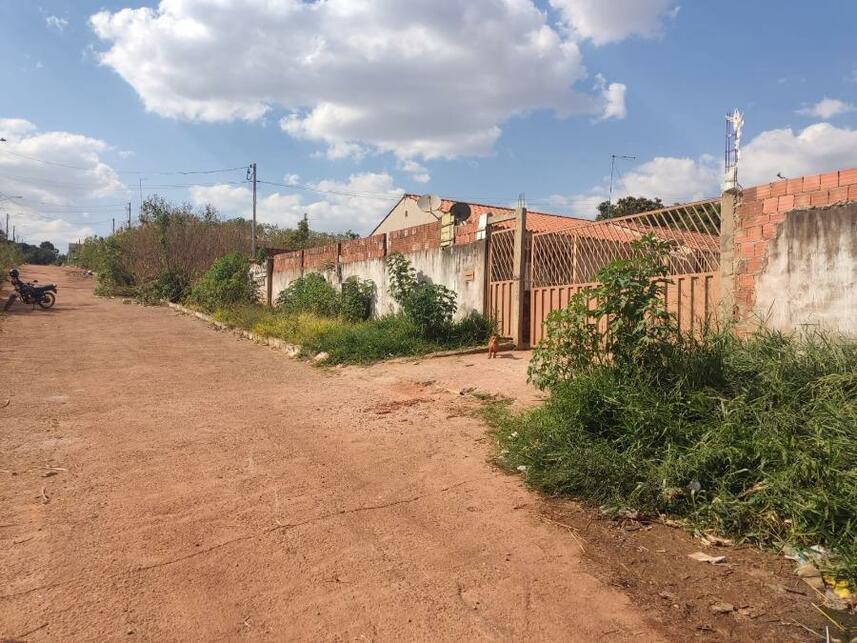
[[536, 221]]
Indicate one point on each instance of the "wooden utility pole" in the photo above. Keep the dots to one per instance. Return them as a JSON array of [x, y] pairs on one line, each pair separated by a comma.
[[252, 171], [519, 277], [129, 215], [113, 230]]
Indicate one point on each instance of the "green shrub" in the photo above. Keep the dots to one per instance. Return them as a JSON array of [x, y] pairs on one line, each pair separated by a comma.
[[754, 438], [765, 428], [227, 283], [313, 294], [473, 330], [356, 299], [170, 286], [310, 293], [430, 307], [629, 299], [9, 256]]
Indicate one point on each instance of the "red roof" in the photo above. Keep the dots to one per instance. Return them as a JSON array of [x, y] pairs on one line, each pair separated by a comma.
[[536, 221]]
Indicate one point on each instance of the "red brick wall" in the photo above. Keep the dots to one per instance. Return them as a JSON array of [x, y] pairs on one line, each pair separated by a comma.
[[288, 261], [320, 256], [760, 212], [363, 249], [423, 237]]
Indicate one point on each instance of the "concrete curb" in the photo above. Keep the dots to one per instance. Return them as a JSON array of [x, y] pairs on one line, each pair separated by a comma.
[[292, 350]]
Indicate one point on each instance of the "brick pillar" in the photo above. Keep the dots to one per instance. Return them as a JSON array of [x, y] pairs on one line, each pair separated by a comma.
[[726, 301], [518, 277]]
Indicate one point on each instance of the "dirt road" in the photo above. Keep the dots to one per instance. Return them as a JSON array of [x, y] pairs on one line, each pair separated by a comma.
[[163, 481]]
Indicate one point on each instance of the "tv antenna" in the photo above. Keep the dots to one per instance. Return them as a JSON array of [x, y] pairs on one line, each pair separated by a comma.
[[429, 203], [734, 126], [613, 158]]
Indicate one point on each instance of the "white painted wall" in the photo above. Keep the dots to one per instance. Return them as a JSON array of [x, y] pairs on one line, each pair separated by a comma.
[[460, 268], [406, 214], [810, 275]]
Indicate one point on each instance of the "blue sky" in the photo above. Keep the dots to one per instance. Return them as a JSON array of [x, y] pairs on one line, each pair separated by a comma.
[[358, 101]]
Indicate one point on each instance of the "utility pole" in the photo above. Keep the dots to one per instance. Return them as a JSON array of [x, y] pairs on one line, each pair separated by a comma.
[[251, 175], [613, 158], [141, 196], [113, 230], [7, 226], [129, 215]]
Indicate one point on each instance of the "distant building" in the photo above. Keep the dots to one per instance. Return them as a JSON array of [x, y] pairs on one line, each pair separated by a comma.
[[407, 214]]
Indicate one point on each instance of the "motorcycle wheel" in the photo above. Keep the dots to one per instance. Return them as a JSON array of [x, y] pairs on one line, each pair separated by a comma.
[[47, 300]]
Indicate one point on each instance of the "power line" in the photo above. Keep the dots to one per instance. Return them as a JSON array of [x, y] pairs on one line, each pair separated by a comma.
[[88, 168], [360, 195]]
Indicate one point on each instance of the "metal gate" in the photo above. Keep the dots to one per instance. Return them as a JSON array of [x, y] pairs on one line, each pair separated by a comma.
[[566, 262], [500, 274]]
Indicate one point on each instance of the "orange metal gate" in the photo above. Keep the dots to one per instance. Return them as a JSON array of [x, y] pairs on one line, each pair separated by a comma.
[[564, 263], [501, 253]]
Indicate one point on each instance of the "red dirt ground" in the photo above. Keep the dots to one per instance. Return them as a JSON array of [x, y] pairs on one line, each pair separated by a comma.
[[164, 481]]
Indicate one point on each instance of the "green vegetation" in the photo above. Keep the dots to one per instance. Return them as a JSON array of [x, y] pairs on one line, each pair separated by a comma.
[[227, 283], [349, 342], [313, 314], [430, 307], [626, 206], [9, 256], [313, 294], [174, 245], [754, 438]]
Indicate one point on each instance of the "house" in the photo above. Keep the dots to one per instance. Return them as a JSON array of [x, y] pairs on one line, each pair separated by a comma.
[[407, 214]]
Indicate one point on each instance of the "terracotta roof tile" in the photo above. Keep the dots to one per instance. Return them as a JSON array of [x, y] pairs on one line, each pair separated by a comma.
[[536, 221]]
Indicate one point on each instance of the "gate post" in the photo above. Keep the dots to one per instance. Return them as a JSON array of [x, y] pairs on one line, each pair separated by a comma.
[[518, 277], [726, 297], [269, 277]]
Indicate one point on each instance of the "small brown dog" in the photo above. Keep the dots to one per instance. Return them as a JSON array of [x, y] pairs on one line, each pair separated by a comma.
[[492, 347]]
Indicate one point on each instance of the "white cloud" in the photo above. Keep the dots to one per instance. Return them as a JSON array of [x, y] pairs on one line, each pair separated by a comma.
[[821, 147], [357, 204], [614, 99], [604, 22], [419, 173], [55, 22], [827, 108], [674, 179], [818, 148], [58, 193], [420, 79]]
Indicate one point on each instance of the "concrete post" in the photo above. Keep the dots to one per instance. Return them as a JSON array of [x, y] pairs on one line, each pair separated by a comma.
[[728, 212], [269, 270], [518, 278]]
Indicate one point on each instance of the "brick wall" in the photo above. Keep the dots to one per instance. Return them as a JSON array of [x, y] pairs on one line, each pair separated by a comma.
[[321, 256], [363, 249], [407, 240], [760, 212], [288, 261]]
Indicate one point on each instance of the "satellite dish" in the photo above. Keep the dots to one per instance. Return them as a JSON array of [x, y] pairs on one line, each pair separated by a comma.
[[460, 212], [429, 203]]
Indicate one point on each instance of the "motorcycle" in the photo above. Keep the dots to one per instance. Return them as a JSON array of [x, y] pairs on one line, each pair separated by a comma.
[[43, 296]]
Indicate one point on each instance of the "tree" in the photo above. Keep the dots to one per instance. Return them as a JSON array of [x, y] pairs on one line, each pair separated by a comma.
[[627, 205], [302, 236]]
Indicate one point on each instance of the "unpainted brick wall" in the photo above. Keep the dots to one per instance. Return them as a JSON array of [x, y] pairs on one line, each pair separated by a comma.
[[423, 237], [321, 256], [761, 211], [362, 249]]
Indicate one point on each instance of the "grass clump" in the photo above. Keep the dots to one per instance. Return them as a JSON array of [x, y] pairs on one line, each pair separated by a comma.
[[348, 342], [754, 438]]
